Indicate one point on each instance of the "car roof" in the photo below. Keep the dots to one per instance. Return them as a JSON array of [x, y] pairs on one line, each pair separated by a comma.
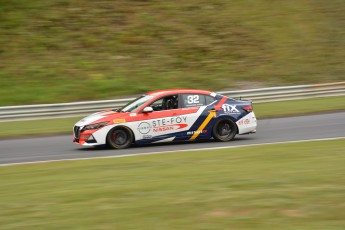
[[178, 91]]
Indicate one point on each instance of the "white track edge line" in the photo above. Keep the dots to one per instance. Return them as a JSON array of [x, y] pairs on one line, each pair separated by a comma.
[[172, 151]]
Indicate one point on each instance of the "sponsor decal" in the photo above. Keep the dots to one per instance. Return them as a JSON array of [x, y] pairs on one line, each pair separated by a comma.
[[132, 114], [243, 122], [197, 132], [147, 136], [163, 124], [230, 109], [172, 123], [144, 128], [116, 121], [169, 127], [169, 121]]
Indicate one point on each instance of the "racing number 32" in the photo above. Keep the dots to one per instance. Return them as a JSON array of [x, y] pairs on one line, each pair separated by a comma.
[[193, 99]]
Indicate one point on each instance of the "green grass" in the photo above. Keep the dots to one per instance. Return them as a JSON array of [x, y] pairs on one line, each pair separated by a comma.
[[59, 50], [299, 107], [262, 110], [38, 127], [285, 186]]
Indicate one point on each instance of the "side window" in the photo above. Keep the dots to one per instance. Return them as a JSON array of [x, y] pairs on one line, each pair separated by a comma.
[[165, 103], [192, 100], [209, 100], [157, 105]]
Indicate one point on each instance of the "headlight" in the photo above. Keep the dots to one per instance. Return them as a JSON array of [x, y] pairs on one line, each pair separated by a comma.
[[95, 126]]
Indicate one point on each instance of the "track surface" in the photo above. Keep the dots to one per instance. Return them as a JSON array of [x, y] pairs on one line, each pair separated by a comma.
[[269, 131]]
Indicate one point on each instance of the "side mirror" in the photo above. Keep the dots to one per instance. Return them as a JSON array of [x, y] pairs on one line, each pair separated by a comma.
[[148, 109]]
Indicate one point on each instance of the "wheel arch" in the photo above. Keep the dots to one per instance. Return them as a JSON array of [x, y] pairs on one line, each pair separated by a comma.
[[224, 117], [123, 127]]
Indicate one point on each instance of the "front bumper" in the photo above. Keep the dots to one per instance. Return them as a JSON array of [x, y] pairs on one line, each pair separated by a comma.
[[83, 137]]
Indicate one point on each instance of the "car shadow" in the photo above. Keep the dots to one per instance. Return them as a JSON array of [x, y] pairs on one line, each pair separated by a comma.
[[177, 143]]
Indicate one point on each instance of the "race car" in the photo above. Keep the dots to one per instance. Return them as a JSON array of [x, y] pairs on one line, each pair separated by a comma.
[[168, 116]]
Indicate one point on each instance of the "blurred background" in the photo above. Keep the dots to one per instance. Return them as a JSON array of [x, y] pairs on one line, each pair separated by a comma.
[[72, 50], [54, 51]]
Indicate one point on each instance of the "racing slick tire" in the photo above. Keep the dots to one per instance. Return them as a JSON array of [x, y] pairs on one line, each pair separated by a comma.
[[120, 138], [224, 130]]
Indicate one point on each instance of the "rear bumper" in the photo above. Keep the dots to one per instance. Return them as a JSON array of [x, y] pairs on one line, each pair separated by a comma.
[[247, 124]]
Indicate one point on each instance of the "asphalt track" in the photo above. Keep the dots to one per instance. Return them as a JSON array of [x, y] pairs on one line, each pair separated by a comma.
[[33, 149]]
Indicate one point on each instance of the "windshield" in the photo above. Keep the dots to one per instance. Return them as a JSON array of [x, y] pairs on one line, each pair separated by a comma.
[[134, 105]]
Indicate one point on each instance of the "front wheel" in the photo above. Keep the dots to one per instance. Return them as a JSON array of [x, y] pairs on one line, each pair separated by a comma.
[[119, 138], [224, 130]]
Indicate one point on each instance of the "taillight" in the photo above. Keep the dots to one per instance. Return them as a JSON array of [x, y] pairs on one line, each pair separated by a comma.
[[248, 108]]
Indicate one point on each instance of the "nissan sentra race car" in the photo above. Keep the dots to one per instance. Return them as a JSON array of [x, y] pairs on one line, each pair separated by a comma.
[[168, 116]]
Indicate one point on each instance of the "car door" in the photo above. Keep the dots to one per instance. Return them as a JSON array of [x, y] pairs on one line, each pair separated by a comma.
[[199, 114], [167, 122]]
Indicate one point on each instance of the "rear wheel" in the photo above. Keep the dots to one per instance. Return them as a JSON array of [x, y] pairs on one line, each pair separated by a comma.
[[119, 138], [224, 130]]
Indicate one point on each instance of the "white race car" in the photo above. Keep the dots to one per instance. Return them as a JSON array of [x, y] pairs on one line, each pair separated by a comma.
[[167, 116]]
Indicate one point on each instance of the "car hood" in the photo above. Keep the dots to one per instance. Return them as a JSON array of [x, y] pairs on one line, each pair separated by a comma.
[[102, 116]]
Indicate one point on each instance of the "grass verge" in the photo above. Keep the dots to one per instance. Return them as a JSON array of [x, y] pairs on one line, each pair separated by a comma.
[[262, 110], [282, 186], [59, 50], [299, 107]]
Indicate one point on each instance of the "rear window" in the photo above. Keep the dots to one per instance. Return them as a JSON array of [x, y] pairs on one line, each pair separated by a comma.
[[193, 100]]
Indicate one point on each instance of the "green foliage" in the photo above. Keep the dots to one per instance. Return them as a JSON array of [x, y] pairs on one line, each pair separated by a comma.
[[58, 50], [285, 186]]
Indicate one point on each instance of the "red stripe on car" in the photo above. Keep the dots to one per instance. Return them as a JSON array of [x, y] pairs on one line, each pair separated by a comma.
[[221, 102]]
